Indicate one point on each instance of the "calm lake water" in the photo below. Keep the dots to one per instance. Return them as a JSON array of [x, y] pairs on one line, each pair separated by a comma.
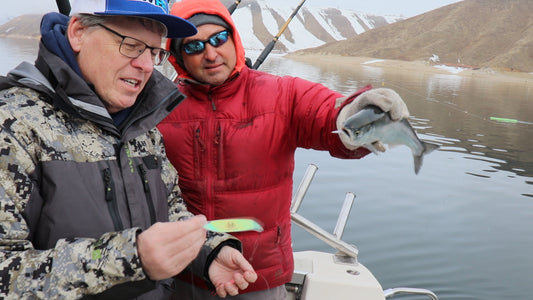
[[462, 227]]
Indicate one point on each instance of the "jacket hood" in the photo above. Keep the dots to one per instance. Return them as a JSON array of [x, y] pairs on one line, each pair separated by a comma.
[[188, 8]]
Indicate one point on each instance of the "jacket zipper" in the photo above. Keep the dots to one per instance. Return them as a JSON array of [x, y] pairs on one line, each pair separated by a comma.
[[213, 105], [147, 193], [210, 160], [111, 199]]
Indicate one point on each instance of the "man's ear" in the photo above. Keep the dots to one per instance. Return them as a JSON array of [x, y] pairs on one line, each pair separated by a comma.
[[75, 33]]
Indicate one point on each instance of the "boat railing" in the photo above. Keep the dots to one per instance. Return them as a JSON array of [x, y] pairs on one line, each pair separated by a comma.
[[413, 291], [334, 239], [347, 253]]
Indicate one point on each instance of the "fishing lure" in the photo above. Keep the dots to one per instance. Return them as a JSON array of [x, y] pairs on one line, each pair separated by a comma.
[[233, 225], [505, 120]]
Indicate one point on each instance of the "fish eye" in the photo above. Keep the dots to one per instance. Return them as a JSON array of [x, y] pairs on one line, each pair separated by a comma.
[[357, 132]]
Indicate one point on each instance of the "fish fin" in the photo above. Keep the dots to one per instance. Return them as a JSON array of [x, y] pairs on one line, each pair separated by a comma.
[[418, 159], [372, 148]]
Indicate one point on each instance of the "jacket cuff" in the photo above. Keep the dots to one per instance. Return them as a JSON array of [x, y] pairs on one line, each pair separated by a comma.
[[349, 99]]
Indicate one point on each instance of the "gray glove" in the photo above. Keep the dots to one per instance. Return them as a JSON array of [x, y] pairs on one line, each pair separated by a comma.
[[384, 98]]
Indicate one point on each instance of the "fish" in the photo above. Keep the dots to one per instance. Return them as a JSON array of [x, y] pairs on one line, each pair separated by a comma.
[[371, 125]]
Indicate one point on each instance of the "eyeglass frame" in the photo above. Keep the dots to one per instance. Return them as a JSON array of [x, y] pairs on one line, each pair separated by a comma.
[[208, 40], [165, 54]]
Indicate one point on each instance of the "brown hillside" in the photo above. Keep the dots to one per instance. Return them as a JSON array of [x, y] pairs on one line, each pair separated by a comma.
[[480, 33], [26, 26]]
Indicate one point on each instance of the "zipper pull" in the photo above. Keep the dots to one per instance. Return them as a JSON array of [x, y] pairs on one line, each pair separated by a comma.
[[200, 142], [213, 105], [142, 172], [107, 185], [217, 136]]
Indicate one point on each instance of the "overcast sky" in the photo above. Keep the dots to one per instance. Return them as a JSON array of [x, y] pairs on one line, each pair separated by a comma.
[[407, 8]]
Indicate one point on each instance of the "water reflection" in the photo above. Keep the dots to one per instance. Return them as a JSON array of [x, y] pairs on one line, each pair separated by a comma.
[[14, 51], [372, 73], [440, 84], [470, 103]]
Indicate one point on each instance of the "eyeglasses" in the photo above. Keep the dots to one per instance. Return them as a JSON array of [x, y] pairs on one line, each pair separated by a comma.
[[216, 40], [133, 48]]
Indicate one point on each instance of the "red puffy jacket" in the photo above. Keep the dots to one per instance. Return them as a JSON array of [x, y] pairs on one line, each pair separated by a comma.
[[233, 146]]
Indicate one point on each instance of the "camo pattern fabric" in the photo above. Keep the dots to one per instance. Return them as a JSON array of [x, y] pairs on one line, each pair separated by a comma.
[[37, 137]]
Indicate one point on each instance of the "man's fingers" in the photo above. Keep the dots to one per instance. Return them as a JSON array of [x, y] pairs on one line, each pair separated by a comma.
[[250, 276], [240, 281], [231, 288], [221, 291]]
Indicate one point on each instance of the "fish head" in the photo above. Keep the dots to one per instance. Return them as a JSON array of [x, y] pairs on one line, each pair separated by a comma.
[[359, 127]]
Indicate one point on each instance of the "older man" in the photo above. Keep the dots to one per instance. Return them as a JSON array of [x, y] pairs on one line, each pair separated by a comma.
[[89, 205]]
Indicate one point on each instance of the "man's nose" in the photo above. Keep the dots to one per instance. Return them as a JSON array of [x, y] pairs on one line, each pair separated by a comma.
[[210, 52], [145, 61]]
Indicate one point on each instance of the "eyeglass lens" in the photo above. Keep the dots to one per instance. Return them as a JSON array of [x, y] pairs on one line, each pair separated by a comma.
[[133, 48], [216, 40]]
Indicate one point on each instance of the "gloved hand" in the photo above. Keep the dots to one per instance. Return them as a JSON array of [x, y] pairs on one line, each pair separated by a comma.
[[386, 99]]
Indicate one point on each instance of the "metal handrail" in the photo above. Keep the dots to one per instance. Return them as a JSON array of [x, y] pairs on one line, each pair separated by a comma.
[[405, 290], [334, 240]]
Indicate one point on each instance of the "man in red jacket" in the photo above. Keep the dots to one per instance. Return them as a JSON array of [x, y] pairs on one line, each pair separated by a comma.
[[233, 139]]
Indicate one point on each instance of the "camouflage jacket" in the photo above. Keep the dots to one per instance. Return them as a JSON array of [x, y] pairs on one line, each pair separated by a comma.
[[75, 190]]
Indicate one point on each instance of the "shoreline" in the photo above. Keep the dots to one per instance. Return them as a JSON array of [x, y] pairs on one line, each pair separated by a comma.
[[414, 66]]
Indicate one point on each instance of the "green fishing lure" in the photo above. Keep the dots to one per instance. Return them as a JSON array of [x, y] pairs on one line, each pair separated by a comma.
[[233, 225]]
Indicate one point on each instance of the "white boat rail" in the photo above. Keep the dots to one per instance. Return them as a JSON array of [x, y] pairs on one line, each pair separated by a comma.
[[319, 275], [405, 290]]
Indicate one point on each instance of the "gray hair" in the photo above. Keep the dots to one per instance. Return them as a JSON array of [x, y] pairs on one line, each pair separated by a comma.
[[89, 20]]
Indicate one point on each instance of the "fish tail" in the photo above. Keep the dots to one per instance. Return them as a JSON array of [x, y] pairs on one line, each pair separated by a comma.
[[418, 159]]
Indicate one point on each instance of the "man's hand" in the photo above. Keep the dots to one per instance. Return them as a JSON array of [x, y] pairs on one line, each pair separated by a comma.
[[231, 272], [167, 248], [386, 99]]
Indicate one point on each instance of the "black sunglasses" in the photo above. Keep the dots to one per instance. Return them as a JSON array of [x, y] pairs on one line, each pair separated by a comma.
[[216, 40]]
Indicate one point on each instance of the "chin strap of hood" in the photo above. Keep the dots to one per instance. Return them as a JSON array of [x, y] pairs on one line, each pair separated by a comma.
[[188, 8]]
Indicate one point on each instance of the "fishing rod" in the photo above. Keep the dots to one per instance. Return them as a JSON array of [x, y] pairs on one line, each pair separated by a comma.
[[233, 6], [270, 45], [63, 6]]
